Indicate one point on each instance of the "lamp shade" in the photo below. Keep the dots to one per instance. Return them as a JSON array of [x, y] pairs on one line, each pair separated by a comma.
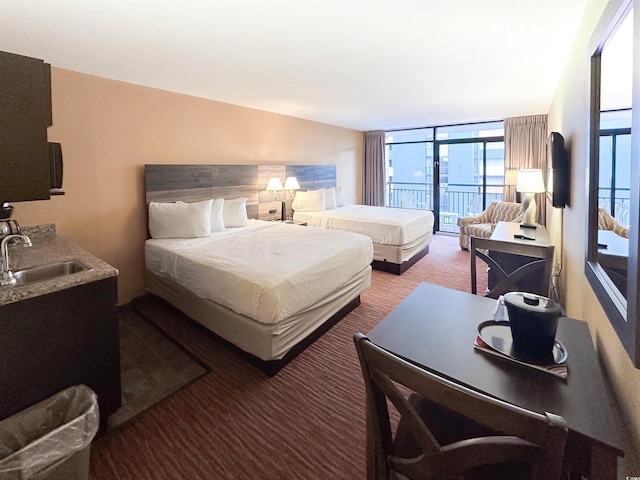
[[530, 181], [510, 177], [274, 184], [291, 183]]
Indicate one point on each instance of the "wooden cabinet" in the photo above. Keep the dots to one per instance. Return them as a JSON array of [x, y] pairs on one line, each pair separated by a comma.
[[64, 338], [25, 103]]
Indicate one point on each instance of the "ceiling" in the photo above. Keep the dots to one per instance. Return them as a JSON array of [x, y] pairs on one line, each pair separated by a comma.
[[361, 64]]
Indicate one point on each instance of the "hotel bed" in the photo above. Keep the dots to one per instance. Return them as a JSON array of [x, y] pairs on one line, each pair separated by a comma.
[[400, 237], [268, 289]]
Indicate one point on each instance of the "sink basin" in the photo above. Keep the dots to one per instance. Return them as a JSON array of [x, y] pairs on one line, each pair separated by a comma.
[[48, 272]]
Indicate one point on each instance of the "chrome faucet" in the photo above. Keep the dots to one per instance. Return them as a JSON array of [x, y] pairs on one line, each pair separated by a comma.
[[6, 276]]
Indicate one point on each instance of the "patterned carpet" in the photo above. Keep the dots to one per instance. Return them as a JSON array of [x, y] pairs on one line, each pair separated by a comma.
[[307, 422]]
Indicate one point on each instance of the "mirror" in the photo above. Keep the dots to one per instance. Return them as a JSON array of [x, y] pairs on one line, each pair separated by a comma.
[[612, 233]]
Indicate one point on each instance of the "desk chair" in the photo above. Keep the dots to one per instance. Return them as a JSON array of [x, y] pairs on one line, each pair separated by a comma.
[[473, 437], [540, 268]]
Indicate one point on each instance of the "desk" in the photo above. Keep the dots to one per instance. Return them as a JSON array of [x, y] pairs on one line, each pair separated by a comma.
[[434, 327], [613, 245], [505, 232]]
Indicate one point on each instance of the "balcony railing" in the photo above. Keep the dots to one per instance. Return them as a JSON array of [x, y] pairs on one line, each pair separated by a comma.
[[620, 207], [456, 199]]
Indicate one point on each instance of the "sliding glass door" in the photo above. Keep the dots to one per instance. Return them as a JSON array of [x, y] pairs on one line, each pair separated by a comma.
[[454, 171]]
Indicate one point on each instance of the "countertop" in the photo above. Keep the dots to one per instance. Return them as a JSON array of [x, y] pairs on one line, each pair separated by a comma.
[[49, 248]]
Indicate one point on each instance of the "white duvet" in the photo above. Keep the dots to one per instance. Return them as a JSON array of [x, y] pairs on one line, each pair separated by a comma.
[[386, 226], [267, 271]]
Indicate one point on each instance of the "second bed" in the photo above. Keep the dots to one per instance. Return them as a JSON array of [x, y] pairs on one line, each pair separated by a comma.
[[400, 237]]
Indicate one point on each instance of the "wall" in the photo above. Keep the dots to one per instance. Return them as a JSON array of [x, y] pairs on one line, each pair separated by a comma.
[[568, 115], [109, 130]]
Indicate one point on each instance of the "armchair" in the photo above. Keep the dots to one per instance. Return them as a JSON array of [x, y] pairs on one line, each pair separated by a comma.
[[608, 222], [482, 225]]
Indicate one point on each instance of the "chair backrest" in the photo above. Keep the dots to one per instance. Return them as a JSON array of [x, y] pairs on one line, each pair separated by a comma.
[[516, 436], [607, 222], [540, 268], [505, 212]]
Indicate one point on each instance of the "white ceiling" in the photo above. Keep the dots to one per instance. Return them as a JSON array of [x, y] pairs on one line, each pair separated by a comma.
[[362, 64]]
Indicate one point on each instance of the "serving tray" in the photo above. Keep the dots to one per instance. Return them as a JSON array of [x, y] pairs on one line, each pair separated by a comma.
[[495, 337]]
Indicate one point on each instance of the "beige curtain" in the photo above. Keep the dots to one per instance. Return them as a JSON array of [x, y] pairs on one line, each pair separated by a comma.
[[525, 147], [374, 168]]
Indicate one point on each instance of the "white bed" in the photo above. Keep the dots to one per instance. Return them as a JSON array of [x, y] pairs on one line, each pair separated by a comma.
[[400, 236], [265, 287]]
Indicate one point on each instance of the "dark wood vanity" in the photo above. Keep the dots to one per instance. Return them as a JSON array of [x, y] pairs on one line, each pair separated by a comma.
[[60, 332]]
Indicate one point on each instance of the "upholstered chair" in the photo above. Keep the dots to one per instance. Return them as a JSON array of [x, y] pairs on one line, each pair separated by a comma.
[[483, 225], [607, 222]]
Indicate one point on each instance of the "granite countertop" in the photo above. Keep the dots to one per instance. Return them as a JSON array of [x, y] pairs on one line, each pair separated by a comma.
[[50, 248]]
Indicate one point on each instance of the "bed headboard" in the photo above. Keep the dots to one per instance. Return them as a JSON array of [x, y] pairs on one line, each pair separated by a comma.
[[193, 183]]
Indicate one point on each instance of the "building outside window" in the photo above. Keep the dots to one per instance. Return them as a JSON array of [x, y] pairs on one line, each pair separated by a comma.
[[454, 170]]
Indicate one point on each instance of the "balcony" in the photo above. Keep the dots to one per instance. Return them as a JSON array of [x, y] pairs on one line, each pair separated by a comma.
[[456, 199]]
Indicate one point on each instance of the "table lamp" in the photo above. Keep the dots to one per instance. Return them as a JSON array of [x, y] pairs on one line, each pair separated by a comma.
[[530, 182], [511, 179]]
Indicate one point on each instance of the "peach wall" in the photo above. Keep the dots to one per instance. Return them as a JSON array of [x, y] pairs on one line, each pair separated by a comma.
[[109, 130], [568, 115]]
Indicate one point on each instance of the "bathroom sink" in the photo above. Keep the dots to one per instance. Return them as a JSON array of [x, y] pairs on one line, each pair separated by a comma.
[[50, 271]]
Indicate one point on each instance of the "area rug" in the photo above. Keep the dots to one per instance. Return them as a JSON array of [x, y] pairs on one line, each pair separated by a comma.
[[152, 366]]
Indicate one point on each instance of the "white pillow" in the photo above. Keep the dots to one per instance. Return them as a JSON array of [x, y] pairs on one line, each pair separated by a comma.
[[217, 220], [330, 198], [234, 212], [309, 201], [180, 220], [340, 198]]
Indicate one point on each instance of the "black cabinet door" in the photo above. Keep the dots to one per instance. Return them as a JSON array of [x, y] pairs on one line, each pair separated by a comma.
[[65, 338], [25, 106]]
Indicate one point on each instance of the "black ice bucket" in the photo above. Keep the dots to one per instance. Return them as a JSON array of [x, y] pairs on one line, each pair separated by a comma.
[[534, 321]]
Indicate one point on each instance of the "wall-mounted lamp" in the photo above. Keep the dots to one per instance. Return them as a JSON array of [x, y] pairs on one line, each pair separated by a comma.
[[291, 184], [530, 182], [275, 186]]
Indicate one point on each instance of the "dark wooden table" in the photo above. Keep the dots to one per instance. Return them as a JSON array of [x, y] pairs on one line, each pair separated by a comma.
[[435, 327], [505, 232]]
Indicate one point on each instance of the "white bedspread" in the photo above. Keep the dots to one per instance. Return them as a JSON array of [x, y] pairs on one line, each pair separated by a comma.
[[387, 226], [267, 271]]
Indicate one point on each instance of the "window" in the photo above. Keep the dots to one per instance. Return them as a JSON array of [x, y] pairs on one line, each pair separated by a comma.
[[454, 170], [615, 157]]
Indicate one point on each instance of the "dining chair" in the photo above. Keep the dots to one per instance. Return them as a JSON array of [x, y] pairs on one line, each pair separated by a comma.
[[539, 269], [446, 430]]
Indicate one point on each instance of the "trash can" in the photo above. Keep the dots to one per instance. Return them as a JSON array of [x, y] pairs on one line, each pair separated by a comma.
[[51, 439]]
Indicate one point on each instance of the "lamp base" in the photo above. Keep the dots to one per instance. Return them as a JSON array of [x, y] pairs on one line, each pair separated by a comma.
[[525, 225], [529, 211], [284, 210]]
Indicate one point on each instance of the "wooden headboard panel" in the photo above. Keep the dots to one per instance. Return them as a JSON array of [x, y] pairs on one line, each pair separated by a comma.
[[193, 183]]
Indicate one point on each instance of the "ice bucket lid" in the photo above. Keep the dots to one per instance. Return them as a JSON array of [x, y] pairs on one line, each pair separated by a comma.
[[532, 303]]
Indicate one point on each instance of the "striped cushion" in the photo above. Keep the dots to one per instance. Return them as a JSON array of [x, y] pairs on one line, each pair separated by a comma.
[[504, 212], [607, 222], [483, 224]]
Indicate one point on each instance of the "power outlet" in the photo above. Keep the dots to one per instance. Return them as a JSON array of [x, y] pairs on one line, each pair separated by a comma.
[[273, 210]]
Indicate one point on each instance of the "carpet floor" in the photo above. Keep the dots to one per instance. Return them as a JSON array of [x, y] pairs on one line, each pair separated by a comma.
[[307, 422]]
